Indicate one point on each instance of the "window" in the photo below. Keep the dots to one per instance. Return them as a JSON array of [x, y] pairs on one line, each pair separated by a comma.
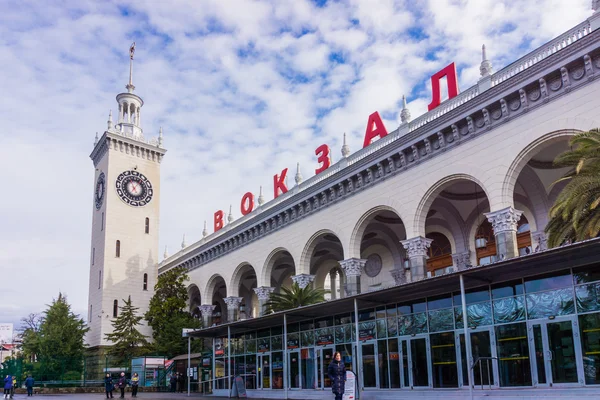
[[145, 281], [147, 229], [90, 314], [118, 249], [93, 255], [99, 279], [102, 222], [115, 308]]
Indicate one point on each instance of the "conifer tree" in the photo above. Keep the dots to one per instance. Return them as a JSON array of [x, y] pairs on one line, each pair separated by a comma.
[[128, 341]]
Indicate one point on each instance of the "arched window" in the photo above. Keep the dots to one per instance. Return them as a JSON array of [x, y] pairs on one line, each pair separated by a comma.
[[147, 229], [440, 253], [115, 308], [145, 281], [118, 249]]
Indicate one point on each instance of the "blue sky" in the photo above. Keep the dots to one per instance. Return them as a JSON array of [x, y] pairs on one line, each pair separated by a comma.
[[241, 88]]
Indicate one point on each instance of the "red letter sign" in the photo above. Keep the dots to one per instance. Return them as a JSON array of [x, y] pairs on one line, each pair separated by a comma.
[[323, 158], [450, 73], [279, 183], [218, 220], [375, 128], [247, 203]]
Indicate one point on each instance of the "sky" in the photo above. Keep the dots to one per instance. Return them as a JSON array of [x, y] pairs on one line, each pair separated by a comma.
[[241, 88]]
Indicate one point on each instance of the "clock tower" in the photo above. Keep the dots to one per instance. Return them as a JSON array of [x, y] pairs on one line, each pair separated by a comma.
[[125, 208]]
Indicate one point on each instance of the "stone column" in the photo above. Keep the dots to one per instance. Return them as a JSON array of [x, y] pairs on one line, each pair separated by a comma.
[[233, 308], [333, 278], [207, 312], [461, 260], [539, 241], [399, 276], [504, 222], [353, 268], [263, 293], [303, 280], [416, 249]]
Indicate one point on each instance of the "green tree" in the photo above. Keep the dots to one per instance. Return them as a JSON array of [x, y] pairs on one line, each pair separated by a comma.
[[294, 297], [60, 340], [167, 314], [575, 214], [127, 341], [29, 332]]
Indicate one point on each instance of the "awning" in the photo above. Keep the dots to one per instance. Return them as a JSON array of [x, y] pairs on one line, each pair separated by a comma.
[[548, 261]]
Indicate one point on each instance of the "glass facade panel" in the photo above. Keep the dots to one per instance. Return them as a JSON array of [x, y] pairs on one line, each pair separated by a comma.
[[346, 352], [381, 329], [265, 371], [443, 360], [324, 337], [293, 341], [340, 334], [366, 330], [508, 289], [480, 314], [308, 338], [441, 320], [587, 297], [509, 309], [308, 368], [392, 327], [589, 273], [590, 343], [277, 343], [563, 362], [264, 345], [553, 302], [539, 354], [369, 367], [383, 363], [412, 324], [294, 367], [513, 355], [439, 302], [394, 363], [251, 372], [277, 370], [405, 369], [549, 282], [250, 346]]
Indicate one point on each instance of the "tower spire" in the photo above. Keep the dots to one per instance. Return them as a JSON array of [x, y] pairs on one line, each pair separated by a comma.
[[298, 177], [405, 113], [345, 148], [110, 121], [486, 65], [130, 87], [261, 199]]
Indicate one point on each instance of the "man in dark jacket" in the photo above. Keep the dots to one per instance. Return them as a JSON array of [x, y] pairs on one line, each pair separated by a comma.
[[173, 382], [29, 385], [108, 386], [7, 386], [122, 384]]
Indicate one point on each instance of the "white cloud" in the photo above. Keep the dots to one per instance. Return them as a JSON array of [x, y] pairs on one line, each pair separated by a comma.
[[242, 89]]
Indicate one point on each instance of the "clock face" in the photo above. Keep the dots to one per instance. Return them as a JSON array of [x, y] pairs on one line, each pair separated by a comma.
[[134, 188], [100, 190]]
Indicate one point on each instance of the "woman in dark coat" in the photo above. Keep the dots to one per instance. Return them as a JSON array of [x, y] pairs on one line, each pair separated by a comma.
[[337, 374], [108, 386]]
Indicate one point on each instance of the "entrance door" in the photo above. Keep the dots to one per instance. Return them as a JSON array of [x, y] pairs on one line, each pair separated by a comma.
[[483, 347], [264, 370], [416, 362], [294, 370], [324, 358], [556, 353], [370, 365]]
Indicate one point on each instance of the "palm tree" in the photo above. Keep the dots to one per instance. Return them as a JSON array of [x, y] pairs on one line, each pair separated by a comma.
[[295, 297], [575, 215]]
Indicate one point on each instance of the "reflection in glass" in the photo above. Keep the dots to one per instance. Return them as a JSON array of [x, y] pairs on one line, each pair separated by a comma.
[[265, 371], [507, 289], [587, 297], [482, 370], [546, 304], [381, 328], [510, 309], [562, 347], [418, 354], [294, 363], [549, 282], [369, 369], [382, 358], [405, 381], [276, 343], [443, 360], [308, 368], [412, 324], [590, 343], [589, 273], [308, 338], [392, 327], [251, 373], [513, 355], [346, 352], [394, 361], [479, 314], [277, 370], [539, 354], [441, 320]]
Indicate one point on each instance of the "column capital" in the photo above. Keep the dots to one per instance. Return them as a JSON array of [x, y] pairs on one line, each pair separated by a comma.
[[461, 260], [399, 276], [233, 303], [303, 280], [263, 292], [504, 220], [353, 266], [540, 241], [207, 309], [417, 246]]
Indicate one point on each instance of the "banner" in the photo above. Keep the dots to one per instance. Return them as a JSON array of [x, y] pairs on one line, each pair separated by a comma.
[[350, 387]]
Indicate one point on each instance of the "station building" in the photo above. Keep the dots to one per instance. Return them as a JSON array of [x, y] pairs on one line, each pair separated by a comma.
[[442, 217]]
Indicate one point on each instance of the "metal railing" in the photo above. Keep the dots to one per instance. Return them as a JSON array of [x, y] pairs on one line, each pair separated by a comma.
[[478, 362]]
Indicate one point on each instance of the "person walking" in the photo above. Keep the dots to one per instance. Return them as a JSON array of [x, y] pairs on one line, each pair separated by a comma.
[[108, 386], [14, 386], [173, 382], [29, 385], [7, 386], [122, 384], [337, 375], [135, 380]]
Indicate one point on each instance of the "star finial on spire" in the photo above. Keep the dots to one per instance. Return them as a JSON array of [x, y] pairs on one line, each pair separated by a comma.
[[96, 139], [130, 88], [204, 231], [160, 137], [183, 243], [345, 148], [261, 199], [166, 253], [486, 65], [298, 177], [230, 216], [110, 121], [405, 113]]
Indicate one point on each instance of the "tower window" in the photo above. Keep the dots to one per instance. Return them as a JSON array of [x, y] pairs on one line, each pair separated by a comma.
[[145, 281], [102, 222], [147, 229], [118, 249], [99, 279], [90, 315], [115, 308], [93, 255]]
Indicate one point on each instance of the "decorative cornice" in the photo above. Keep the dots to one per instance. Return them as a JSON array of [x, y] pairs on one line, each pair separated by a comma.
[[128, 145], [508, 99]]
